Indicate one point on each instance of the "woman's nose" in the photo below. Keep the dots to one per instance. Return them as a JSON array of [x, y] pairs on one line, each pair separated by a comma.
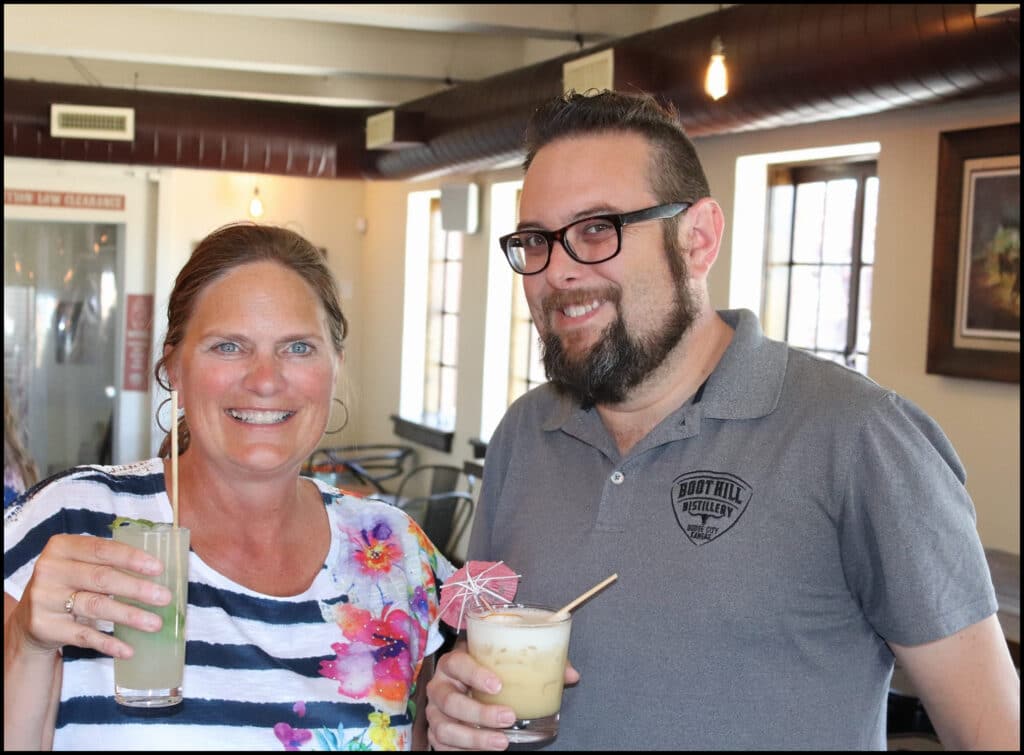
[[264, 374]]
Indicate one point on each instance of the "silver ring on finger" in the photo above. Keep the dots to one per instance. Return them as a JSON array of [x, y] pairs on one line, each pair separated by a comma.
[[69, 604]]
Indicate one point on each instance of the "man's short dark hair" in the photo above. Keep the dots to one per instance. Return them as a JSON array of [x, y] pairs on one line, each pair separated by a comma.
[[676, 174]]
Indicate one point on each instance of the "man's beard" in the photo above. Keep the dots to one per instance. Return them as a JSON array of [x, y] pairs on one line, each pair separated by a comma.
[[617, 363]]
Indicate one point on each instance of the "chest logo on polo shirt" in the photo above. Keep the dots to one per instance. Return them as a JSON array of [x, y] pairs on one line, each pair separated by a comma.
[[707, 504]]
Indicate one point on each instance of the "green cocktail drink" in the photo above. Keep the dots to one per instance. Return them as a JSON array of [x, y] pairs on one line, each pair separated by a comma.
[[152, 677]]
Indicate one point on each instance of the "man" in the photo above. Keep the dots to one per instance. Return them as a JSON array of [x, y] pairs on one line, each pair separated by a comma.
[[782, 527]]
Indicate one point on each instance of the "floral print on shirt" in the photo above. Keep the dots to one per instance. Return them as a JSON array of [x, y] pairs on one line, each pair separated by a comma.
[[386, 567]]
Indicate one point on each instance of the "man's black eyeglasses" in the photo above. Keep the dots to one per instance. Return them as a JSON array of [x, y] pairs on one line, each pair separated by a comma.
[[589, 241]]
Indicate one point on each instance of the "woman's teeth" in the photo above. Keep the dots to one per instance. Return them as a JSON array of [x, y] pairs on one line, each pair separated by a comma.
[[578, 310], [259, 417]]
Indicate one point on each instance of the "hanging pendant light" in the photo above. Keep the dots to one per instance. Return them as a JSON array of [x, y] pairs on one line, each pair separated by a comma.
[[256, 204], [716, 82]]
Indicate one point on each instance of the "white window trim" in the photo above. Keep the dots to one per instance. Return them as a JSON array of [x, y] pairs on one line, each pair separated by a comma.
[[414, 315], [497, 333]]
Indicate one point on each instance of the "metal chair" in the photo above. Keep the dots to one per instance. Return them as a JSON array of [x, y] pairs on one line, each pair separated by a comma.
[[361, 469], [440, 498]]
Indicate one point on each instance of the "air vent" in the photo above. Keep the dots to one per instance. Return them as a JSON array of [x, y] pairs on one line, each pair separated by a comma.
[[394, 130], [460, 207], [92, 122], [595, 71], [380, 130], [996, 9]]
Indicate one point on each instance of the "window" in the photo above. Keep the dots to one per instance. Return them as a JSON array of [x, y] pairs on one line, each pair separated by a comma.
[[501, 288], [525, 369], [819, 258], [444, 281], [433, 281]]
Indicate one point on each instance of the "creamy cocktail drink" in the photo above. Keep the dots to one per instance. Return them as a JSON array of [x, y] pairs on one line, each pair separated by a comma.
[[152, 677], [528, 652]]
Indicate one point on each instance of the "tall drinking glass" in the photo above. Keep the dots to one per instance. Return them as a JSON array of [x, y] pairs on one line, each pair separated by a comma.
[[152, 677], [528, 652]]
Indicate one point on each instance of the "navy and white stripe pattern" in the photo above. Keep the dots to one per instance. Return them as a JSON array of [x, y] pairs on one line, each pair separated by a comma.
[[262, 672]]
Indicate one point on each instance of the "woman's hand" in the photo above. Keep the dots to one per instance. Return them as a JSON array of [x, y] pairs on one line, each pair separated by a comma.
[[454, 718], [77, 576]]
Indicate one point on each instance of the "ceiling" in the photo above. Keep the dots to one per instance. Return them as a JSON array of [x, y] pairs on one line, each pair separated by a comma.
[[374, 56], [292, 89]]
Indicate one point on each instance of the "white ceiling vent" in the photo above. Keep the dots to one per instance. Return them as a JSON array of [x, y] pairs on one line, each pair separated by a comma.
[[394, 130], [92, 122], [380, 130], [595, 71]]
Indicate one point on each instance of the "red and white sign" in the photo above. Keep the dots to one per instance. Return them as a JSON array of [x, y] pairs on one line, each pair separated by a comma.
[[72, 199], [138, 335]]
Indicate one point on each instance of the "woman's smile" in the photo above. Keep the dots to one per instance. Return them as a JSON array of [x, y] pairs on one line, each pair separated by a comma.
[[259, 416]]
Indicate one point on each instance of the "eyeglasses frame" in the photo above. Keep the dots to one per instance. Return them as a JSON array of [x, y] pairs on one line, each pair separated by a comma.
[[618, 220]]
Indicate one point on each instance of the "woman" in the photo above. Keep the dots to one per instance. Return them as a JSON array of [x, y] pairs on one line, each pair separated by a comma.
[[310, 613]]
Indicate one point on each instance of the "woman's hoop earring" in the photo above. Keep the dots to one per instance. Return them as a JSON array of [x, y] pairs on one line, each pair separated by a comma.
[[344, 424], [181, 412], [158, 409]]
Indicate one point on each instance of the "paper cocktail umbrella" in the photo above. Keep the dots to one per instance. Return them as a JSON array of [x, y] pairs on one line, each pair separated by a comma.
[[478, 583]]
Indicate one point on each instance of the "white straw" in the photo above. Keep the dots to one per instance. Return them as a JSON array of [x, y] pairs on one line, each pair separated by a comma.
[[174, 456]]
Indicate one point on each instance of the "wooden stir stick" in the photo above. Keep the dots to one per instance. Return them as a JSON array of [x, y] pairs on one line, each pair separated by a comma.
[[563, 612]]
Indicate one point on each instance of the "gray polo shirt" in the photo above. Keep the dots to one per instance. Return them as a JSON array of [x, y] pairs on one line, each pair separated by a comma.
[[769, 535]]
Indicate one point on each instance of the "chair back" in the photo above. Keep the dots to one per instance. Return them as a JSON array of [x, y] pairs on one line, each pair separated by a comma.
[[440, 498], [361, 468]]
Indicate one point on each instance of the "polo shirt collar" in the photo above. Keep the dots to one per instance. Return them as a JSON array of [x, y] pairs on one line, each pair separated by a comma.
[[747, 381]]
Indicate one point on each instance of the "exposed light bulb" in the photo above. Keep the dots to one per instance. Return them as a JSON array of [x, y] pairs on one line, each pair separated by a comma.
[[716, 82], [256, 204]]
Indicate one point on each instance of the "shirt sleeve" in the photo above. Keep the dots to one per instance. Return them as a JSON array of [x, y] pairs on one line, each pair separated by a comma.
[[28, 524], [909, 544]]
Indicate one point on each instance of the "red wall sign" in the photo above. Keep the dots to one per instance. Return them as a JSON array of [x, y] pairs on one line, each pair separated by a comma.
[[72, 199], [138, 335]]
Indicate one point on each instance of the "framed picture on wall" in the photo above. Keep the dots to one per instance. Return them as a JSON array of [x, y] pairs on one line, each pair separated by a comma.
[[974, 321]]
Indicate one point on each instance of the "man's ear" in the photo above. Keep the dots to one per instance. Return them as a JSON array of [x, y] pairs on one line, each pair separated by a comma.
[[701, 236]]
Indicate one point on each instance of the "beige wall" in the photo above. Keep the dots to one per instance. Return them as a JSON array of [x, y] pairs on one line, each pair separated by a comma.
[[981, 418]]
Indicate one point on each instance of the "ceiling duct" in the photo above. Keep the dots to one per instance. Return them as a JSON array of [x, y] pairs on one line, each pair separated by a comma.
[[788, 64], [187, 131]]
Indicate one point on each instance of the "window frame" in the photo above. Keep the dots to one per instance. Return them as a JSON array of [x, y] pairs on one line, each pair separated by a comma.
[[859, 168]]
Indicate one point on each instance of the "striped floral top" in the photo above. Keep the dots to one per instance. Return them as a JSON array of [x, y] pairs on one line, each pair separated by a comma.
[[332, 668]]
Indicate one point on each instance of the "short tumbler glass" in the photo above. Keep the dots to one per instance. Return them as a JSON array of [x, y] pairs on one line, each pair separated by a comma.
[[528, 651]]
